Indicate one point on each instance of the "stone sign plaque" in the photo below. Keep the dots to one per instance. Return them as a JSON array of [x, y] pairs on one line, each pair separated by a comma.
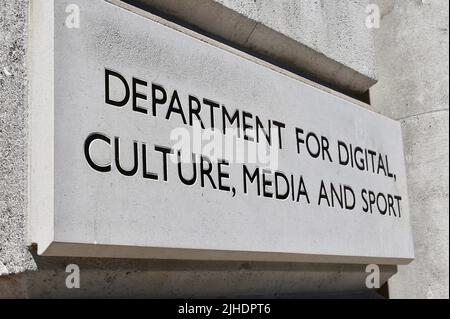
[[148, 141]]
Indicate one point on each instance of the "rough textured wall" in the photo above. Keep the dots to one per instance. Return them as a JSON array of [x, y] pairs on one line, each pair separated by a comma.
[[412, 52], [14, 255]]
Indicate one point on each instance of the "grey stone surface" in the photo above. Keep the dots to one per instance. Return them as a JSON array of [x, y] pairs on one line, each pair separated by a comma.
[[14, 255], [326, 39], [412, 58], [412, 64], [426, 142]]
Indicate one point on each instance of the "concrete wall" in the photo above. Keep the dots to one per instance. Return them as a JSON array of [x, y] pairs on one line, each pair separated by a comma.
[[412, 48], [332, 28]]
